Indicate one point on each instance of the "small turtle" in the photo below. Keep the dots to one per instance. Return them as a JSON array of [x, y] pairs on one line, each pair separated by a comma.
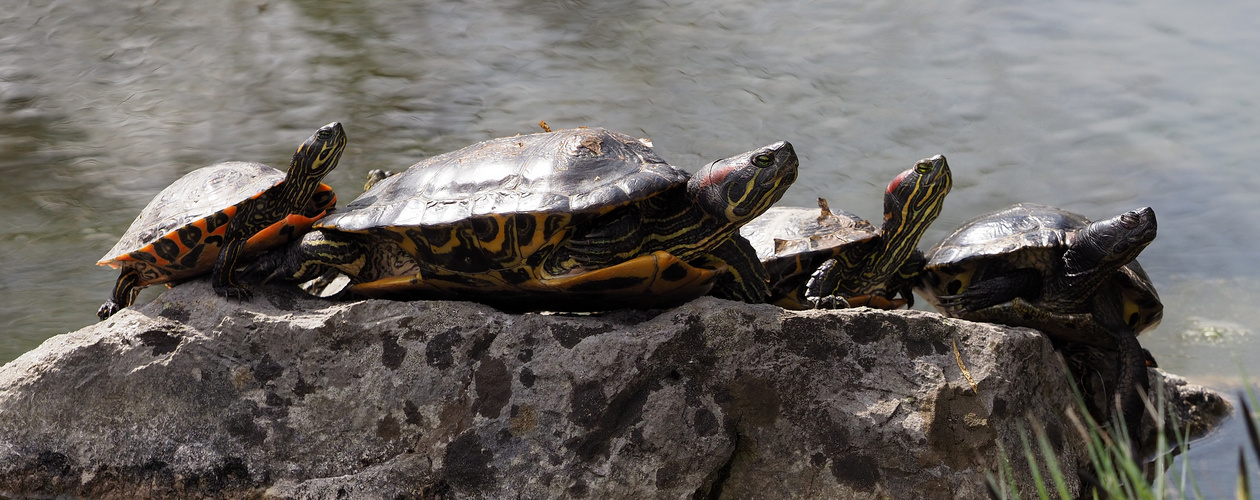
[[374, 176], [211, 217], [571, 220], [1053, 270], [837, 259]]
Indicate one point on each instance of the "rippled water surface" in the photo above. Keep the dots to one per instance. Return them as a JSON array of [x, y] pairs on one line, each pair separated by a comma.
[[1098, 108]]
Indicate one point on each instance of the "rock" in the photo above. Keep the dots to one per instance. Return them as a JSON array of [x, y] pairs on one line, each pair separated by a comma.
[[1195, 409], [289, 397]]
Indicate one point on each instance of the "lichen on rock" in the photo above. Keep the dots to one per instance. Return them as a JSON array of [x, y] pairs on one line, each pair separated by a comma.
[[291, 397]]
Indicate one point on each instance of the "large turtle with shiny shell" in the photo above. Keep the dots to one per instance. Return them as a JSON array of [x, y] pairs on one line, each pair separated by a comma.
[[571, 220], [207, 220], [1053, 270], [835, 259]]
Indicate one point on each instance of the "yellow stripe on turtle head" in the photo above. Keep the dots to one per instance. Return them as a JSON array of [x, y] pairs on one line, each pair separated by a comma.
[[739, 188], [319, 154]]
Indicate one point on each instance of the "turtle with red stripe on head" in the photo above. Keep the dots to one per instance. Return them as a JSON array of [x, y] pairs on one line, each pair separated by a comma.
[[567, 220], [817, 257]]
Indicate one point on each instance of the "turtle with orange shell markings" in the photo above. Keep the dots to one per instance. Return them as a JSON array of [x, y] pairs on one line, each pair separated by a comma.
[[212, 217]]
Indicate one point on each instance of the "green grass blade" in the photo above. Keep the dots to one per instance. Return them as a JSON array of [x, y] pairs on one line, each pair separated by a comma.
[[1002, 487], [1250, 420], [1244, 491], [1040, 483], [1052, 462]]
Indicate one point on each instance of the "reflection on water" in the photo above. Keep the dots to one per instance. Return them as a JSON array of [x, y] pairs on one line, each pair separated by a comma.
[[1208, 330], [1213, 459], [1099, 108]]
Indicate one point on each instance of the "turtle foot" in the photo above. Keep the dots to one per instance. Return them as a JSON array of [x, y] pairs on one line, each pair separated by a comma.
[[108, 309], [829, 302], [949, 301], [950, 305], [233, 292]]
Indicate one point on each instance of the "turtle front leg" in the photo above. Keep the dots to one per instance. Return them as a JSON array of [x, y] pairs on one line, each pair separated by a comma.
[[907, 276], [822, 292], [124, 294], [1132, 377], [224, 275], [321, 254], [298, 261], [1132, 384], [745, 279], [819, 289]]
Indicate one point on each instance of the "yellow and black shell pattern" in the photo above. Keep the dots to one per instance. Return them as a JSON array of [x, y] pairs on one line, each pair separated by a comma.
[[505, 203], [180, 232]]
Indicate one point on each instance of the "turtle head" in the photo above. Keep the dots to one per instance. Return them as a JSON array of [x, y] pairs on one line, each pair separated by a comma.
[[318, 155], [912, 202], [914, 198], [374, 176], [1110, 243], [737, 189]]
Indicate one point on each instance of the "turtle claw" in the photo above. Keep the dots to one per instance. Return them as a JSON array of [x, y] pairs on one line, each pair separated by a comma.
[[972, 300], [829, 302], [233, 292], [949, 301], [951, 305]]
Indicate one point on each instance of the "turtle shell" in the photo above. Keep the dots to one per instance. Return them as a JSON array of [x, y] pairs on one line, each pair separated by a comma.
[[567, 171], [493, 204], [793, 241], [1034, 236], [1005, 235], [171, 234]]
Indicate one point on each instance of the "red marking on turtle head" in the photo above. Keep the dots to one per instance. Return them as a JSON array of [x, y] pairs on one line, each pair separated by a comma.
[[896, 182], [715, 175]]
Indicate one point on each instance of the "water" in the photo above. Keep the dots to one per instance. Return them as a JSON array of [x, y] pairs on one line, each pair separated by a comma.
[[1099, 108]]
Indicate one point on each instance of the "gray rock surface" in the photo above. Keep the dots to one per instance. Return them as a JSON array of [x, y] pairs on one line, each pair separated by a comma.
[[192, 396]]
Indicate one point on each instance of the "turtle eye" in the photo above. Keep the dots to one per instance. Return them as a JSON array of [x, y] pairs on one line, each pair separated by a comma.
[[763, 160], [923, 167], [323, 134]]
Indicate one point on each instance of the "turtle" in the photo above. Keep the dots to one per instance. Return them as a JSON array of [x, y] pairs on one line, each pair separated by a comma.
[[570, 220], [1054, 270], [820, 257], [210, 218], [374, 176]]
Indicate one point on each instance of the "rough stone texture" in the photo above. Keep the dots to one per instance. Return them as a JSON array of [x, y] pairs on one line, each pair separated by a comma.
[[1195, 409], [286, 397]]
